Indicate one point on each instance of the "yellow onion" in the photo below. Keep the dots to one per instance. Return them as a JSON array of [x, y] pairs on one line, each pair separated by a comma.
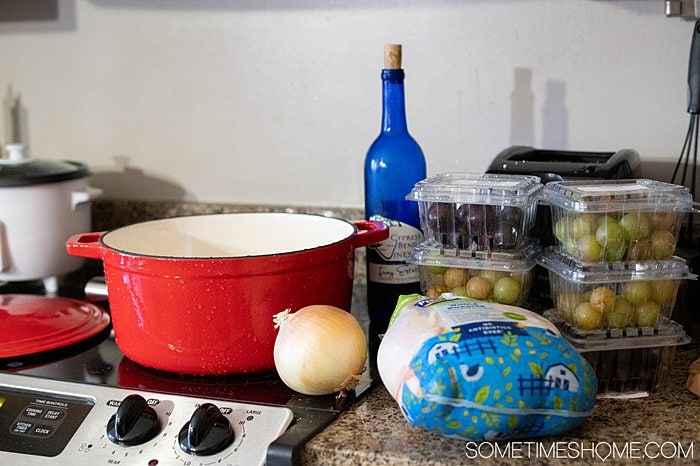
[[319, 349]]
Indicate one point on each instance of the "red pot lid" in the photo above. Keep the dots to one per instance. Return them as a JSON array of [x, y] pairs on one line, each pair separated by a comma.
[[32, 324]]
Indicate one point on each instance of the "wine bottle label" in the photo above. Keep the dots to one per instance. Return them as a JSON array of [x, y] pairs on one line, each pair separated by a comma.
[[391, 268]]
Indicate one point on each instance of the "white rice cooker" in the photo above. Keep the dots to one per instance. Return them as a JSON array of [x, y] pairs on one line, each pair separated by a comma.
[[42, 203]]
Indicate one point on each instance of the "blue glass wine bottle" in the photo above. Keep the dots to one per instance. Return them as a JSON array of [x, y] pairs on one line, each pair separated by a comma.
[[394, 163]]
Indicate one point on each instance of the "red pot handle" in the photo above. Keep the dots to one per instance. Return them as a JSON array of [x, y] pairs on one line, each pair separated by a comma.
[[369, 232], [85, 245]]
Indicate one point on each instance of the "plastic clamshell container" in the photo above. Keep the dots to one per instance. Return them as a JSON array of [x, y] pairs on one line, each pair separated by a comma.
[[495, 276], [616, 295], [631, 362], [615, 220], [477, 211]]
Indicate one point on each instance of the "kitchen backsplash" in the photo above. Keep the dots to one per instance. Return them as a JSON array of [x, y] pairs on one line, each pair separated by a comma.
[[111, 213]]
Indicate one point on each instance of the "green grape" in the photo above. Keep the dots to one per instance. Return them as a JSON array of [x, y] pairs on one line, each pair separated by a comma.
[[592, 219], [580, 227], [585, 297], [663, 244], [588, 249], [437, 280], [638, 251], [560, 230], [622, 314], [571, 248], [506, 290], [663, 291], [615, 253], [566, 303], [492, 275], [663, 220], [586, 317], [435, 269], [478, 288], [609, 234], [637, 292], [456, 277], [636, 225], [605, 217], [602, 299], [648, 314], [518, 277], [435, 291]]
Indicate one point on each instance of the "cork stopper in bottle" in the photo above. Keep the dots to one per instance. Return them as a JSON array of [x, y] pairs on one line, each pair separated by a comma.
[[392, 56]]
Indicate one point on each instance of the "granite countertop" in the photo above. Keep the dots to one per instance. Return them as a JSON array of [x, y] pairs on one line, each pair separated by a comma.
[[373, 431]]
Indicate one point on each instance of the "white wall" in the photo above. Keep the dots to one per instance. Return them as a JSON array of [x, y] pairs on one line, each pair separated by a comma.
[[276, 101]]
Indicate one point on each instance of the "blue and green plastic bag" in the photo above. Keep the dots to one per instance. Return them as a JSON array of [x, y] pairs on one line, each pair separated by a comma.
[[483, 371]]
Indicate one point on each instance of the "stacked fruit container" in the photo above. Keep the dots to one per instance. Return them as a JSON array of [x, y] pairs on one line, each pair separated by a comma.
[[477, 230], [614, 277]]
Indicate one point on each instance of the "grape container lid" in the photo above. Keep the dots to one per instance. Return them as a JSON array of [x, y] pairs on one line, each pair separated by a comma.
[[431, 253], [572, 270], [487, 189], [669, 333], [617, 195]]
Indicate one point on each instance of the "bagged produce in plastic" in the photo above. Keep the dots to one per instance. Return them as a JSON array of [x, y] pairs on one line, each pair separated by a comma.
[[483, 371]]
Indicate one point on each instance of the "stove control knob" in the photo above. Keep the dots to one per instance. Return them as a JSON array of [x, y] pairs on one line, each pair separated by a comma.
[[207, 432], [134, 422]]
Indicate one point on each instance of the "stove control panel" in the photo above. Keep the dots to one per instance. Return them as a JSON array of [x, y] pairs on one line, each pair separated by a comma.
[[52, 422]]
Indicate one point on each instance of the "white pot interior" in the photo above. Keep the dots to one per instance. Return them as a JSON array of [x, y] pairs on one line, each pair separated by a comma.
[[228, 235]]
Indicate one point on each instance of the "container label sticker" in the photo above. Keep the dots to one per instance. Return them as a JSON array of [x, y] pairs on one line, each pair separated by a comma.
[[393, 274], [394, 251]]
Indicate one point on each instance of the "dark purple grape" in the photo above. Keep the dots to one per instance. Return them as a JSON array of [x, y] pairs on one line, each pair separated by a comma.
[[469, 218], [464, 241], [459, 240], [443, 238], [512, 215], [439, 217], [491, 214], [506, 236], [485, 242]]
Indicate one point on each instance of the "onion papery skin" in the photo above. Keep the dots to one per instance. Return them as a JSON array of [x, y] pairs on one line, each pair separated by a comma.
[[319, 350]]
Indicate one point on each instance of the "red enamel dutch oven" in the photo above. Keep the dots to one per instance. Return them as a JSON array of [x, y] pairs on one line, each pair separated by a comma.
[[196, 295]]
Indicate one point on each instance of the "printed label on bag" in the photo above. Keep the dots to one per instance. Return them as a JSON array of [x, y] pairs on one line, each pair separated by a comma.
[[458, 311], [395, 250]]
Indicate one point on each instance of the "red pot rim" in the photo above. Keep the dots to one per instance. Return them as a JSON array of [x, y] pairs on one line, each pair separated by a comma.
[[124, 252], [360, 233]]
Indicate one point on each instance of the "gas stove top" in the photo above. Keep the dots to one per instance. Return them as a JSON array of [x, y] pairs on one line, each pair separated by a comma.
[[89, 404]]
